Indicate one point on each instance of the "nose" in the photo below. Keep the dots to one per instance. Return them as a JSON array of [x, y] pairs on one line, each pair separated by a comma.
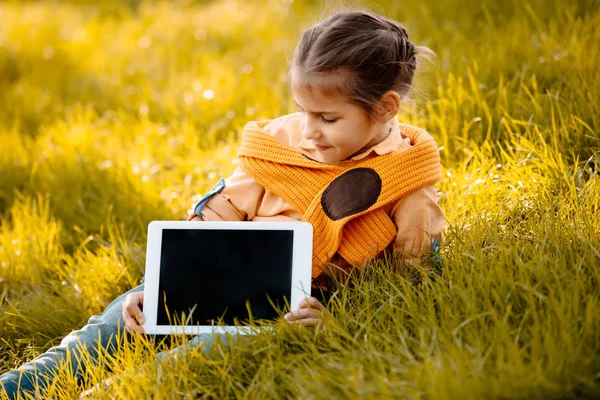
[[310, 131]]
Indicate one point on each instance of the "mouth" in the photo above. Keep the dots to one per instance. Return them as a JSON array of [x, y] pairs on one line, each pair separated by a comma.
[[321, 148]]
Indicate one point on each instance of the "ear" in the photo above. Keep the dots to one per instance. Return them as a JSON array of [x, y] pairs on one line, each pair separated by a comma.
[[389, 106]]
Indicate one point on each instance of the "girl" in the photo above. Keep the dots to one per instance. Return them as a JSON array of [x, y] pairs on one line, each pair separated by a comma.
[[343, 163]]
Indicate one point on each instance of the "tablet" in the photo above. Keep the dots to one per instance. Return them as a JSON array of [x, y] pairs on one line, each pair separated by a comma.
[[217, 277]]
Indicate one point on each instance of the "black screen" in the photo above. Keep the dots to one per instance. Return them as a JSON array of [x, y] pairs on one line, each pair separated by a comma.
[[219, 271]]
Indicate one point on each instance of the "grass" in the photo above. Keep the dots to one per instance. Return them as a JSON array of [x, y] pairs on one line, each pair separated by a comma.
[[114, 114]]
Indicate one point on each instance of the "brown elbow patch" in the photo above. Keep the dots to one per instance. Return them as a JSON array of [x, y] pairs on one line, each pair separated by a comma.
[[351, 192]]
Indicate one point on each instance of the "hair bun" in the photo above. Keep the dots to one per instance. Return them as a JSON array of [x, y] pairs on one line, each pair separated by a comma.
[[406, 52]]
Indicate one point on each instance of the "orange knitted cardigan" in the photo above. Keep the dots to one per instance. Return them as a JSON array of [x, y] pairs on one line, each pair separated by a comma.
[[344, 205]]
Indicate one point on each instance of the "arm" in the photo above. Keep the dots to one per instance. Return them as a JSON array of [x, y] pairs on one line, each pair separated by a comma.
[[419, 219], [237, 200], [241, 195]]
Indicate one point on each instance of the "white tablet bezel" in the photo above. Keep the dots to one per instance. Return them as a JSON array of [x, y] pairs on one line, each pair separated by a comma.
[[301, 269]]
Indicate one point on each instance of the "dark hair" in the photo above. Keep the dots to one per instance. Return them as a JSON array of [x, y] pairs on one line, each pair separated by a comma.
[[358, 54]]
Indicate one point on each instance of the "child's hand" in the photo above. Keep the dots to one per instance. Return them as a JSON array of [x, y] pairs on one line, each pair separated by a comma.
[[132, 314], [309, 313]]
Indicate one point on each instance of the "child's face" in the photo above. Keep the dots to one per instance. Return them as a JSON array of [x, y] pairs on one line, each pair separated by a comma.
[[345, 130]]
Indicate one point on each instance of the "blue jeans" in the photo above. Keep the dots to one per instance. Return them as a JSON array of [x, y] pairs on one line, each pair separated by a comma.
[[101, 330]]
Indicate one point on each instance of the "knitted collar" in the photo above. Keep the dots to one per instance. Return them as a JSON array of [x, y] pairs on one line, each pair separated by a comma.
[[344, 205]]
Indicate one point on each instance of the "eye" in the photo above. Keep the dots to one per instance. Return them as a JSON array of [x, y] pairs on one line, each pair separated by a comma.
[[325, 121]]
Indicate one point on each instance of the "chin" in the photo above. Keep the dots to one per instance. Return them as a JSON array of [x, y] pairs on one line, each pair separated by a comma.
[[332, 162], [327, 160]]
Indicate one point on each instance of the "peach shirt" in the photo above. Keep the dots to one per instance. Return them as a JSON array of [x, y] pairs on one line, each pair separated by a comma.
[[416, 216]]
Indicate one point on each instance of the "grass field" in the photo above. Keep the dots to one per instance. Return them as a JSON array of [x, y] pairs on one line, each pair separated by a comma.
[[116, 114]]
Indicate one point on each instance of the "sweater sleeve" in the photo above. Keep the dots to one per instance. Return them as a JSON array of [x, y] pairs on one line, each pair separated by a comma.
[[238, 201], [419, 219], [242, 196]]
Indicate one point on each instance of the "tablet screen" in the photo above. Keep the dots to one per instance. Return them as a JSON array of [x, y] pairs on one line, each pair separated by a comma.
[[223, 273]]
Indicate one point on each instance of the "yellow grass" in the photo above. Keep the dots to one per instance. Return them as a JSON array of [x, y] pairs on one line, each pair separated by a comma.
[[116, 114]]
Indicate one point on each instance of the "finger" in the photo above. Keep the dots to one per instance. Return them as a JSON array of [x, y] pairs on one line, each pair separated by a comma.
[[131, 306], [134, 312], [128, 323], [302, 313], [135, 298], [311, 302], [131, 324]]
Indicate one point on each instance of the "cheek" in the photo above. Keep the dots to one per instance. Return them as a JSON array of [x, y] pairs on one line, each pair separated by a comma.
[[350, 140], [343, 136]]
